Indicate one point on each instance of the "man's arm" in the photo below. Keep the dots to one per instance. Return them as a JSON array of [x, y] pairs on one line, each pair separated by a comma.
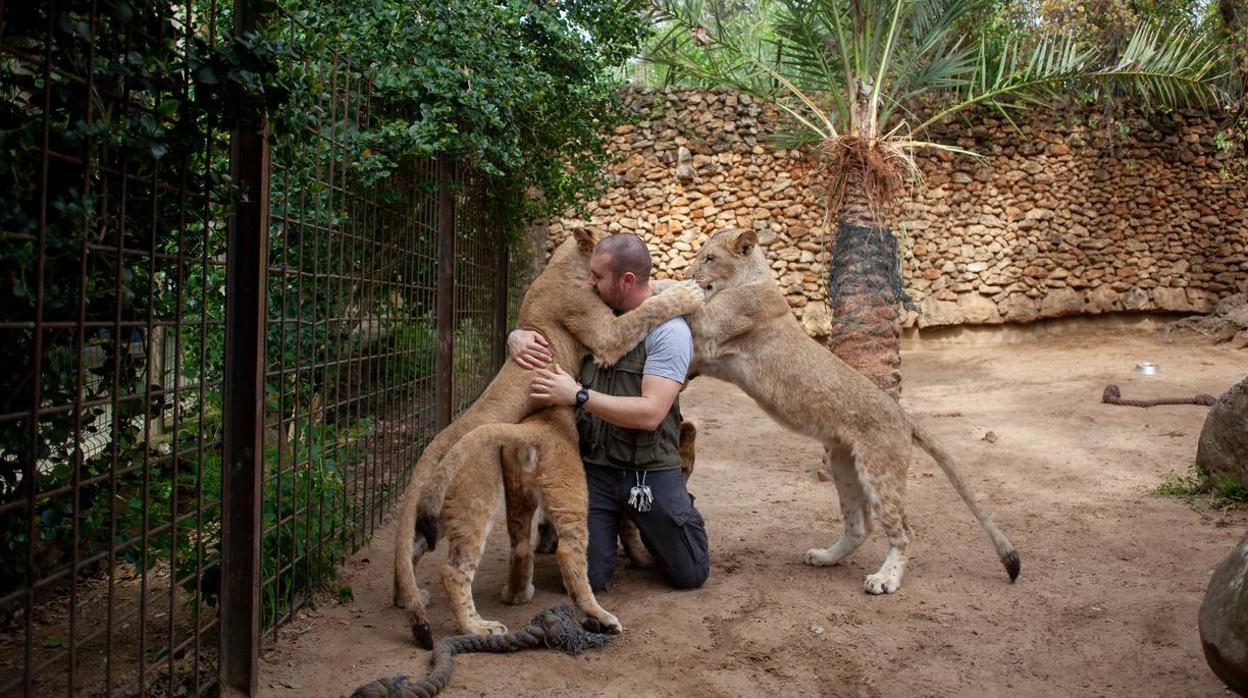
[[645, 412], [529, 349]]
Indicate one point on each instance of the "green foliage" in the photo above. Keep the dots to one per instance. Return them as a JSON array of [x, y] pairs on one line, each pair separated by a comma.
[[1223, 493], [521, 90]]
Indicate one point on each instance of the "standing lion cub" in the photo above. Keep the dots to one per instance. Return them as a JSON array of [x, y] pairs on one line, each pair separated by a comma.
[[745, 334]]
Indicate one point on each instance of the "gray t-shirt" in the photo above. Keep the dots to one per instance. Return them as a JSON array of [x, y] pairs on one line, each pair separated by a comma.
[[669, 349]]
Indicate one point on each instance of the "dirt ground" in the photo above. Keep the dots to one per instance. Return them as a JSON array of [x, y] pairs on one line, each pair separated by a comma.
[[1112, 574]]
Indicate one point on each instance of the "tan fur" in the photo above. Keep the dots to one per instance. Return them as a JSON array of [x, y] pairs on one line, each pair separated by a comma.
[[504, 458], [565, 309], [746, 334]]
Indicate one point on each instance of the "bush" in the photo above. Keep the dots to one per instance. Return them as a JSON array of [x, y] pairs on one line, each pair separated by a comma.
[[1224, 493]]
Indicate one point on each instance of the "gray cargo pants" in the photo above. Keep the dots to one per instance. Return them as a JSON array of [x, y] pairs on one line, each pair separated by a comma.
[[673, 530]]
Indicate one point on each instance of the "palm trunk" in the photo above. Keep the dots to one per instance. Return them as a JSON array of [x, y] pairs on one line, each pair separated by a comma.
[[864, 291]]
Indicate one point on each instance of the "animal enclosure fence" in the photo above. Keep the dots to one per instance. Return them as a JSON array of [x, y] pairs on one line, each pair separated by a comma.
[[225, 334]]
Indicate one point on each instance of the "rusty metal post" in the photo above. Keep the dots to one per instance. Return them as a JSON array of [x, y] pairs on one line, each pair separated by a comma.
[[443, 393], [243, 398], [502, 283]]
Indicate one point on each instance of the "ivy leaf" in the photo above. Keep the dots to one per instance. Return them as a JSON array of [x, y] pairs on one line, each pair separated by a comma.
[[59, 641], [206, 75]]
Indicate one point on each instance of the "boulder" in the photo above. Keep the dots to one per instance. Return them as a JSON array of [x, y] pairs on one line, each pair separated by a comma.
[[1224, 620], [1061, 301], [975, 309], [1223, 447], [1020, 308]]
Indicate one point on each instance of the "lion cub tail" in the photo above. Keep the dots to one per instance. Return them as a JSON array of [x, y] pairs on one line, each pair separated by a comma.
[[1005, 549], [480, 443]]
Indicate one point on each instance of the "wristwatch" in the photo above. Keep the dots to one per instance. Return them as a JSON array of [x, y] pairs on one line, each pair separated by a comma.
[[581, 396]]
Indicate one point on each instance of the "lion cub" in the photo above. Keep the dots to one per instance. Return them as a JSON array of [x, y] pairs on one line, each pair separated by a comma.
[[505, 459], [746, 335]]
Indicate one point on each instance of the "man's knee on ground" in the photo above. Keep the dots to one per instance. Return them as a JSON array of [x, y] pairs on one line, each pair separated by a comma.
[[691, 578]]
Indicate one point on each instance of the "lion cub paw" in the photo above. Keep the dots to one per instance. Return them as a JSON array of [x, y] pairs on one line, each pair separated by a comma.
[[882, 583], [603, 622], [486, 627], [687, 296], [819, 557], [517, 598]]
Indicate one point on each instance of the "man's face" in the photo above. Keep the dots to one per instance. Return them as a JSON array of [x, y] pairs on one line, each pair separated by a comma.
[[609, 286]]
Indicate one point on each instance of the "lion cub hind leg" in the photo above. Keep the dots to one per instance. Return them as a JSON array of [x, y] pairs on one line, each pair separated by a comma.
[[523, 501], [468, 520], [839, 461], [883, 482]]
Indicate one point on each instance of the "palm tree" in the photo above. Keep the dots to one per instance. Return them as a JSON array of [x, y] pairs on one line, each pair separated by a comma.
[[861, 81]]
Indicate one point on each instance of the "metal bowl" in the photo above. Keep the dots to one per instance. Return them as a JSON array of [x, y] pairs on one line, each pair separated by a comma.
[[1148, 368]]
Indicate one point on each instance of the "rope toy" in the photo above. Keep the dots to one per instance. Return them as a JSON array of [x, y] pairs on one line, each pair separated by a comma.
[[1113, 396], [554, 628]]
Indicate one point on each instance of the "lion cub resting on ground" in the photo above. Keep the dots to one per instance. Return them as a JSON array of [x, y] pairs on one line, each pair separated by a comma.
[[563, 306], [531, 464], [745, 334]]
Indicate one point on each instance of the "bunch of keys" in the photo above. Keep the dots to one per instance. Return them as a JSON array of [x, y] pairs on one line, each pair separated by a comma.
[[639, 497]]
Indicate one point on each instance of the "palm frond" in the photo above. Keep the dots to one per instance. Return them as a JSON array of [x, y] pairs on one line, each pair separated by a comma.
[[1169, 68]]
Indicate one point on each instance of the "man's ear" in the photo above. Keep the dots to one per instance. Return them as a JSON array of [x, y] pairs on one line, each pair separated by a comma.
[[586, 240], [744, 241]]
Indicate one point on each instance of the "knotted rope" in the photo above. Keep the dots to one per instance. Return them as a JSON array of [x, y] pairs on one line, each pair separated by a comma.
[[554, 628], [1114, 397]]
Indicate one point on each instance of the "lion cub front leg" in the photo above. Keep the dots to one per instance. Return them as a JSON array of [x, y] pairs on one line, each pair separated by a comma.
[[563, 487], [609, 337]]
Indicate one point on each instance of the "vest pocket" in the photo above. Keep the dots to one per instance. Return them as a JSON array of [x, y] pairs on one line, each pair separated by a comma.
[[624, 446]]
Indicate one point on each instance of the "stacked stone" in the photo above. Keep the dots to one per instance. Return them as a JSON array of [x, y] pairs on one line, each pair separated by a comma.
[[1062, 216]]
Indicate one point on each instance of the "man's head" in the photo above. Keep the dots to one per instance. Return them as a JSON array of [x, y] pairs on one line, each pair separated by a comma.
[[619, 271]]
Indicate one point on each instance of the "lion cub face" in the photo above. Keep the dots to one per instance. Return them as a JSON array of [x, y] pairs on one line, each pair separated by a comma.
[[729, 258]]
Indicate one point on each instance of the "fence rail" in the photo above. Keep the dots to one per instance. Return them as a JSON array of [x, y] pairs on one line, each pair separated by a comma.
[[223, 340]]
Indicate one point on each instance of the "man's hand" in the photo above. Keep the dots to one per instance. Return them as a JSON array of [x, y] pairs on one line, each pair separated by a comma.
[[553, 386], [529, 349]]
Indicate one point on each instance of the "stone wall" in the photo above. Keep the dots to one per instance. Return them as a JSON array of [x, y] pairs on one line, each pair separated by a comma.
[[1068, 217]]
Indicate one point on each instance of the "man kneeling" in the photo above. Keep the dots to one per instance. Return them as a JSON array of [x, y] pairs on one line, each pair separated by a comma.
[[628, 421]]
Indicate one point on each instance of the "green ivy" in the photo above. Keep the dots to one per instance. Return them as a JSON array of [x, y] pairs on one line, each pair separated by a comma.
[[522, 89]]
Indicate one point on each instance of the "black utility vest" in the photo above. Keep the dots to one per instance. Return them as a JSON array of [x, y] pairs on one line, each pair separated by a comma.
[[603, 443]]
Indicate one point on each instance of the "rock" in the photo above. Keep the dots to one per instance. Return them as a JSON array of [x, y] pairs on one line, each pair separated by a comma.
[[1136, 298], [1061, 301], [977, 309], [817, 319], [1223, 447], [1172, 299], [934, 312], [1223, 620], [1104, 299], [1020, 308]]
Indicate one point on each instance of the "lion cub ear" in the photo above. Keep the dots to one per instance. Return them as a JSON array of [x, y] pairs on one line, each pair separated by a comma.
[[586, 240], [744, 242]]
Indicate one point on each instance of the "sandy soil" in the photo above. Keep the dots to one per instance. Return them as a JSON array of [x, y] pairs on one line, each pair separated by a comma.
[[1111, 581]]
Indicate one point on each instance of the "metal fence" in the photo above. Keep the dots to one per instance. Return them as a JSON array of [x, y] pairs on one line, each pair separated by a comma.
[[221, 346]]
